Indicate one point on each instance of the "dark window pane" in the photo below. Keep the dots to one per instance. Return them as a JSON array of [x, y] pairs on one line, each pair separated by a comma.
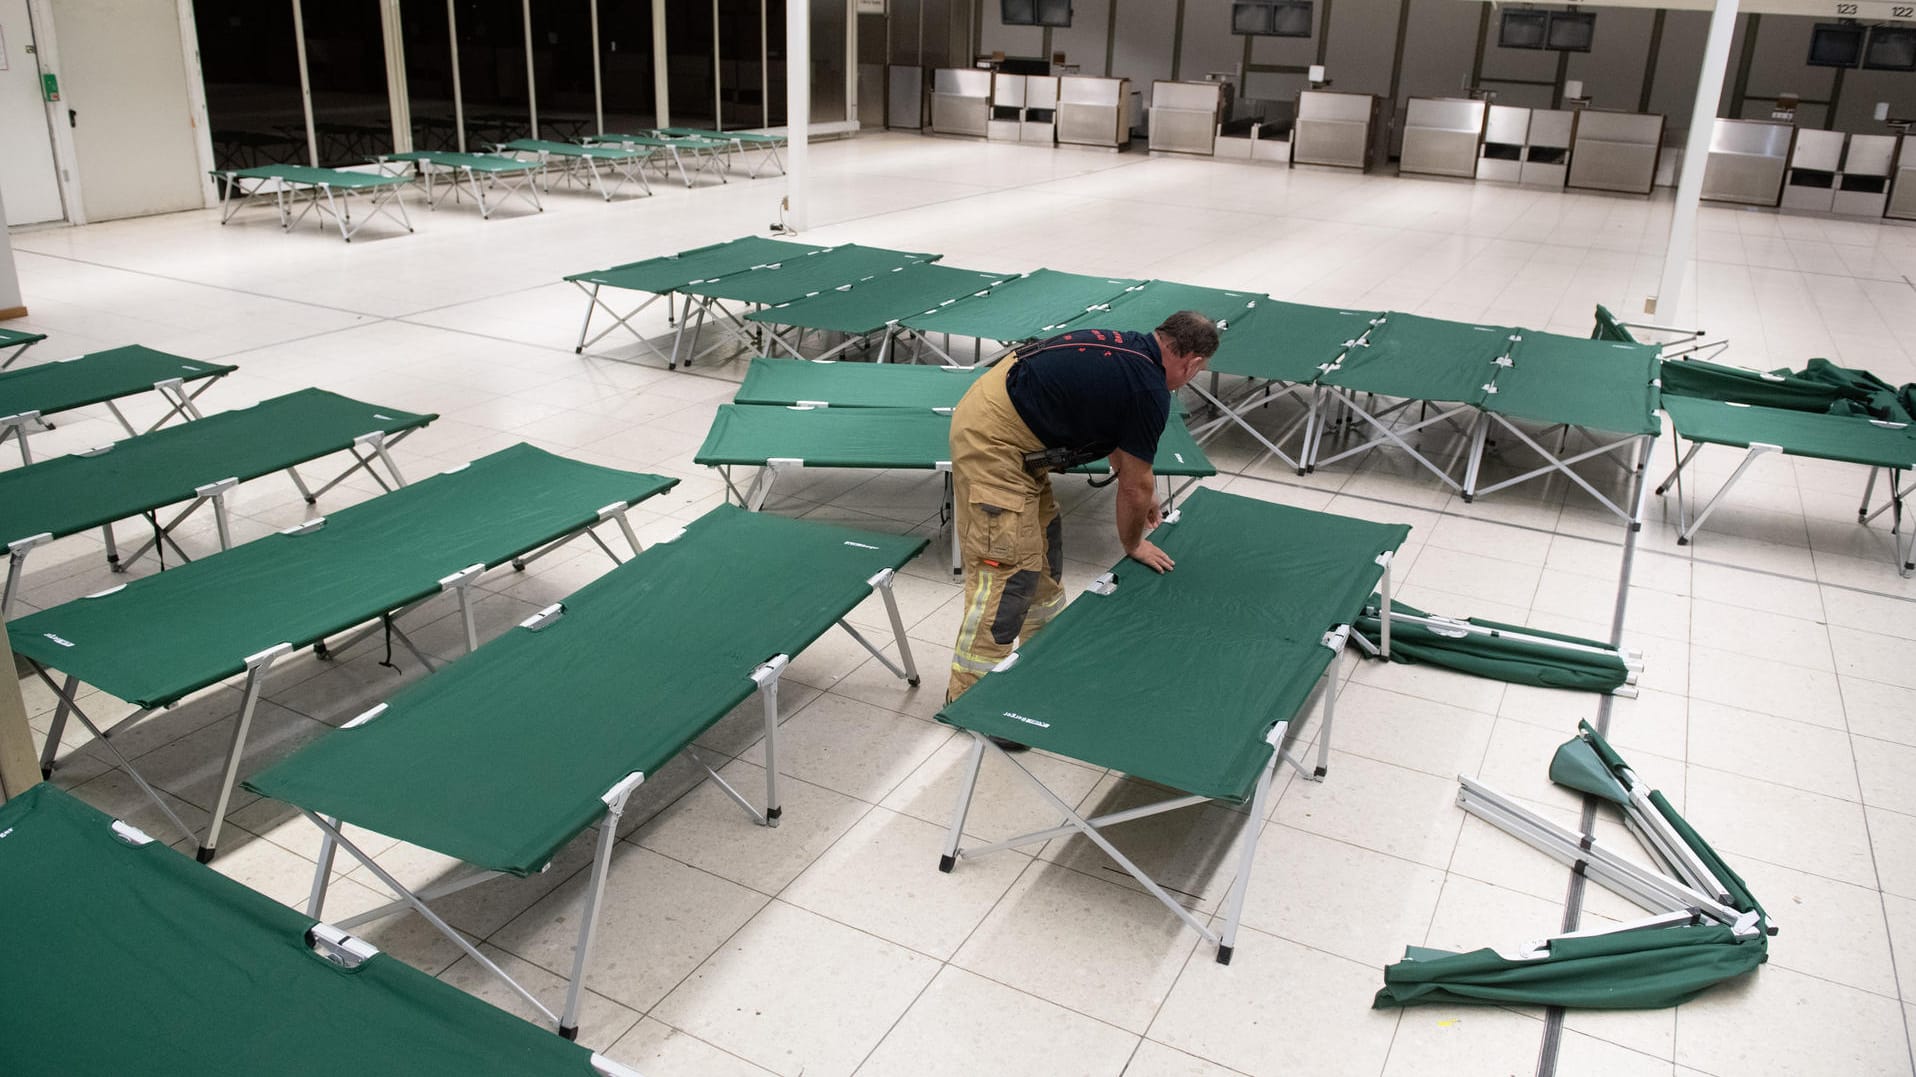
[[346, 61], [562, 67], [492, 71], [250, 61]]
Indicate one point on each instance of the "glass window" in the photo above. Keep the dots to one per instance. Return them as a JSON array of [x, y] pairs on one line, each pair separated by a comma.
[[346, 63], [562, 67], [625, 65], [249, 59], [492, 71], [429, 74], [688, 39], [741, 64], [828, 63]]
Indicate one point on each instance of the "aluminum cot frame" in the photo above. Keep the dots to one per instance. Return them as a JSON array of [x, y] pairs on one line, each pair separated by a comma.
[[582, 163], [260, 664], [704, 152], [286, 183], [464, 170], [765, 677], [1074, 823], [366, 449], [18, 341], [180, 403], [767, 145]]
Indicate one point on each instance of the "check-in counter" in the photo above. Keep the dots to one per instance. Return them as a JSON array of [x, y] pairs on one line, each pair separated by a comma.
[[1334, 129], [1441, 136], [961, 101], [1815, 160], [1040, 122], [1747, 161], [1506, 129], [905, 97], [1902, 188], [1615, 151], [1094, 111], [1184, 116], [1546, 152], [1007, 106], [1862, 185]]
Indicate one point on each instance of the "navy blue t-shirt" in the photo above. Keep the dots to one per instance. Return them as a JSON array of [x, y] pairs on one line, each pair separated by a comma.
[[1093, 389]]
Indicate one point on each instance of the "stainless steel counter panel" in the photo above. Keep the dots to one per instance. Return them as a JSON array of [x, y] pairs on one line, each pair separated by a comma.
[[1546, 155], [1810, 182], [1041, 91], [961, 101], [1007, 91], [1552, 127], [1041, 116], [905, 97], [1184, 116], [1615, 151], [1902, 192], [1870, 155], [1507, 124], [1091, 111], [1440, 136], [1333, 129], [1747, 161], [1820, 151], [961, 81]]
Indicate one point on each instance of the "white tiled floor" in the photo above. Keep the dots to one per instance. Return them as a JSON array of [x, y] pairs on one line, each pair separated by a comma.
[[1779, 706]]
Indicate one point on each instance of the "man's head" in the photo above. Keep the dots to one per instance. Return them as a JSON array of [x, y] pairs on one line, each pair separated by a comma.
[[1187, 340]]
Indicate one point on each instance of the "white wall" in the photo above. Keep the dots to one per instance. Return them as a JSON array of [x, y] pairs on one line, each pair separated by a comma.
[[123, 71], [10, 299]]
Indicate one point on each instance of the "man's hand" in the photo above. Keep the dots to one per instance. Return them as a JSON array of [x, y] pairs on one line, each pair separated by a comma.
[[1153, 518], [1147, 554]]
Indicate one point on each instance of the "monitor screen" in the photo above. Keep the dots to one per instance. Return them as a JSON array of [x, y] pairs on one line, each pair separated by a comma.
[[1835, 45], [1054, 12], [1523, 29], [1252, 18], [1891, 48], [1018, 12], [1572, 31], [1291, 19]]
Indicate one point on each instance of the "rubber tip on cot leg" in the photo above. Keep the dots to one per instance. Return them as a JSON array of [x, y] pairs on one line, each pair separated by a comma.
[[204, 856], [1319, 772], [569, 1032], [1224, 955], [946, 863]]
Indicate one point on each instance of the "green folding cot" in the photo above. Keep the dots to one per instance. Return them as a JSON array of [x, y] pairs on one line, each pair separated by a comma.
[[1676, 342], [1279, 349], [197, 463], [28, 396], [776, 440], [741, 142], [703, 151], [765, 285], [1023, 308], [1143, 307], [827, 384], [1601, 390], [158, 639], [665, 277], [1255, 616], [325, 192], [472, 172], [188, 971], [1878, 444], [583, 163], [871, 309], [19, 342], [509, 755], [1409, 361]]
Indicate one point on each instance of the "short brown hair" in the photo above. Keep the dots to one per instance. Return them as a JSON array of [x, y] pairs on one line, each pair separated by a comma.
[[1191, 333]]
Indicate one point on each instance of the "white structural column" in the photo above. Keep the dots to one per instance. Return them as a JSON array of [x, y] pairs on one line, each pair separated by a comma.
[[305, 84], [660, 75], [798, 109], [1696, 157]]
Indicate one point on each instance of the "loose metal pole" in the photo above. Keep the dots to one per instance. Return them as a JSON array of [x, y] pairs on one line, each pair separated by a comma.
[[1696, 155]]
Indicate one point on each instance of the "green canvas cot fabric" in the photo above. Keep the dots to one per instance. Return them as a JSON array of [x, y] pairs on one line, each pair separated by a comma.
[[1497, 657], [1609, 328], [1634, 970], [1288, 342], [1576, 765], [788, 382], [1863, 393], [1176, 679], [478, 162], [1144, 308], [873, 304], [69, 494], [808, 274], [1417, 358], [1821, 386], [501, 758], [1034, 305], [1596, 384], [698, 265], [907, 438], [916, 438], [169, 968], [724, 136], [601, 151], [160, 637], [51, 388], [319, 177], [1850, 438], [11, 337]]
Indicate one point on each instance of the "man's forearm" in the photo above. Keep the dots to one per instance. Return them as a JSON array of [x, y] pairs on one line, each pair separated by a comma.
[[1134, 510]]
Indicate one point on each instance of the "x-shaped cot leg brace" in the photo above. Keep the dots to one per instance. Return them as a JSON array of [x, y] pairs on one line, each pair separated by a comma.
[[1471, 490], [1393, 435]]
